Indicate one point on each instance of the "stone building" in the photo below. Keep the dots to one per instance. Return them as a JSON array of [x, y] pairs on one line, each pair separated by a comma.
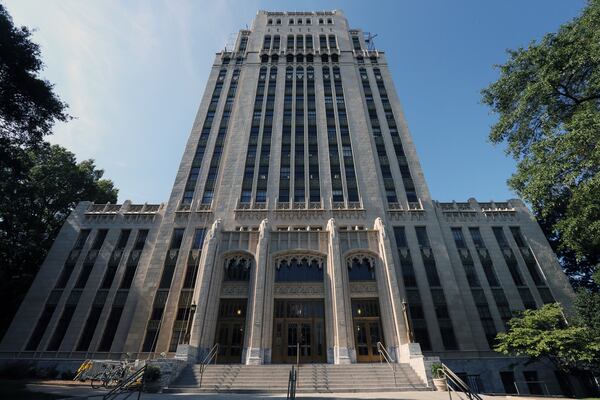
[[299, 226]]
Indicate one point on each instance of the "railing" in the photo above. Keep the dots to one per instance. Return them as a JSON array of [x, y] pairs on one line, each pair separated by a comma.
[[212, 354], [457, 385], [137, 378], [384, 355], [292, 381]]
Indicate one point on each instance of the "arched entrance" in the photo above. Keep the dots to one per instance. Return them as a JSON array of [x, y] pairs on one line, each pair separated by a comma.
[[299, 322]]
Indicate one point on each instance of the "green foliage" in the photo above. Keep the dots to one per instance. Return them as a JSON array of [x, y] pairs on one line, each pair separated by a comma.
[[548, 102], [38, 190], [28, 105], [437, 370], [152, 373], [545, 334]]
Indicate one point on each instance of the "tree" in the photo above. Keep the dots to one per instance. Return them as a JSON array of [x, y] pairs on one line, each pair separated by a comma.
[[35, 201], [548, 102], [545, 334], [28, 105], [39, 183]]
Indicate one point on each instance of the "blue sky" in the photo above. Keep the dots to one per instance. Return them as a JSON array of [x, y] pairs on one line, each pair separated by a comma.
[[133, 73]]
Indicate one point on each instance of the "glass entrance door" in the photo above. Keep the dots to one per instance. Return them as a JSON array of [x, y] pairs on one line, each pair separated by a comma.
[[230, 330], [367, 329], [298, 332]]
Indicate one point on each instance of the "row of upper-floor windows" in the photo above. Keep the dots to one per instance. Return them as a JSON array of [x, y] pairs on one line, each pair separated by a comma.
[[300, 42], [300, 21]]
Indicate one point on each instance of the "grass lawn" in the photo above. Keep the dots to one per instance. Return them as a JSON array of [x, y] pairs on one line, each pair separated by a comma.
[[16, 390]]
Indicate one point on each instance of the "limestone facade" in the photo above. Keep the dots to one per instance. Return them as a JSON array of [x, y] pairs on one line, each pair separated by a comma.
[[299, 157]]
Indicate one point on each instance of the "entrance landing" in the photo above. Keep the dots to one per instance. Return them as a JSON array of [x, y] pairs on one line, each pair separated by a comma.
[[312, 378]]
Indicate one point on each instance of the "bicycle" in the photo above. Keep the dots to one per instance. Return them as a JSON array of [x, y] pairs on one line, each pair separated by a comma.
[[110, 377], [82, 370]]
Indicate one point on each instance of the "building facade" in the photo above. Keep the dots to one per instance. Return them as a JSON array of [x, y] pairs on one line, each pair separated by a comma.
[[299, 225]]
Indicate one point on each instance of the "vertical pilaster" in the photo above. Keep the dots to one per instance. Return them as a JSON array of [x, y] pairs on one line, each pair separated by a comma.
[[254, 353], [390, 293], [341, 353], [198, 344]]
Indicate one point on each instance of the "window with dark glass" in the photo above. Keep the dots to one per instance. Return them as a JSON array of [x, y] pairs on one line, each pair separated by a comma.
[[237, 269], [361, 268], [384, 164], [213, 170], [299, 269], [190, 185]]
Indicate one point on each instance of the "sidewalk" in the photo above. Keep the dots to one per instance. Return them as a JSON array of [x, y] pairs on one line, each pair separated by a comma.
[[81, 391]]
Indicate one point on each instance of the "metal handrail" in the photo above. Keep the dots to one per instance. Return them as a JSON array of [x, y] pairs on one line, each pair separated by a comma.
[[384, 355], [140, 374], [212, 354], [292, 382], [453, 379]]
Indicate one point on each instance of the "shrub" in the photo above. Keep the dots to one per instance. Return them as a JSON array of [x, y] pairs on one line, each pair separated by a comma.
[[437, 370], [152, 373], [67, 375], [17, 370]]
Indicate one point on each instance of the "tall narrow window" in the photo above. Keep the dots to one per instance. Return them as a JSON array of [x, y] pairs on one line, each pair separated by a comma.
[[348, 157], [409, 186], [286, 137], [190, 185], [437, 292], [299, 143], [415, 304], [384, 163], [332, 139], [513, 268], [213, 169], [313, 143], [485, 316], [72, 259]]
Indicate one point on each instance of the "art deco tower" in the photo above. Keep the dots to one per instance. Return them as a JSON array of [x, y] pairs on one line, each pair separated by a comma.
[[299, 221]]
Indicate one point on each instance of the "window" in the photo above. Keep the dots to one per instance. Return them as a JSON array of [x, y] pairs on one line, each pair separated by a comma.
[[361, 268], [459, 239], [83, 235], [278, 21], [422, 236], [269, 21], [90, 328], [291, 21], [246, 196], [499, 233], [40, 327], [476, 236], [176, 238], [99, 240], [198, 238], [237, 268], [299, 269], [141, 239]]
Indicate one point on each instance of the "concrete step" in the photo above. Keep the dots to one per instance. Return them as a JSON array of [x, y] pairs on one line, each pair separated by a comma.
[[311, 378]]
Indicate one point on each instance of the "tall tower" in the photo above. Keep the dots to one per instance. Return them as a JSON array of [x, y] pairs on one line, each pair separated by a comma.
[[299, 225]]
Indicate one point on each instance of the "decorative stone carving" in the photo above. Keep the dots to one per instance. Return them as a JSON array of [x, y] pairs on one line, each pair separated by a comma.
[[361, 258], [237, 289], [363, 287], [296, 258], [299, 289], [379, 226], [212, 232], [332, 228], [264, 229]]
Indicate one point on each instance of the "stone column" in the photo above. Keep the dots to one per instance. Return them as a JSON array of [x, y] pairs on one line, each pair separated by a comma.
[[341, 354], [391, 292], [202, 291], [254, 353]]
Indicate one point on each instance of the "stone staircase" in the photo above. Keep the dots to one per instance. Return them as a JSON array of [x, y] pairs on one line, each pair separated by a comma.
[[311, 378]]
